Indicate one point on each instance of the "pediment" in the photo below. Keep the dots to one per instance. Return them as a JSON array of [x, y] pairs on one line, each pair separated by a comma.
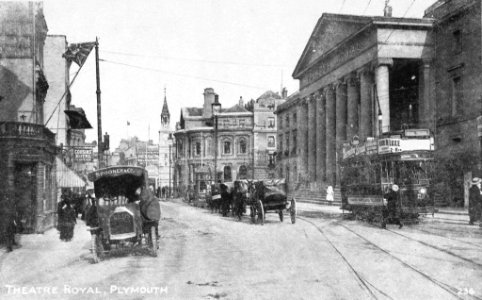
[[329, 32]]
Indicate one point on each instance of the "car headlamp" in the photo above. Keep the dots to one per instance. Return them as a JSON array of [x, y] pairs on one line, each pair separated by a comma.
[[423, 191]]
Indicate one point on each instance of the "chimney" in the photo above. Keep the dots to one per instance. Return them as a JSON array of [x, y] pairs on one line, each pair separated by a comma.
[[241, 102], [209, 96], [387, 11]]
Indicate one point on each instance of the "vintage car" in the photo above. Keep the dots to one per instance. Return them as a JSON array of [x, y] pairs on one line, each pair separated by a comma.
[[124, 213]]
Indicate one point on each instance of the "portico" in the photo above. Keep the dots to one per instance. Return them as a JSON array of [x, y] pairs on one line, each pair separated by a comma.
[[359, 76]]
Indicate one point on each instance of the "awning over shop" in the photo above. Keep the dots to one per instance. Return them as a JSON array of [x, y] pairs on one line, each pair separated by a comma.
[[66, 178]]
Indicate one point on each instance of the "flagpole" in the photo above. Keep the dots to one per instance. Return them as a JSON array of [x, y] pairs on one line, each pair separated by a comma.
[[99, 112]]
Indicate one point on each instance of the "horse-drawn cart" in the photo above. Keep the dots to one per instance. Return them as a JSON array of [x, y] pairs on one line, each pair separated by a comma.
[[269, 196]]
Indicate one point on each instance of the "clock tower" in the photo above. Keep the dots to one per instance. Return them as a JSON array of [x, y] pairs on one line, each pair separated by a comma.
[[165, 147]]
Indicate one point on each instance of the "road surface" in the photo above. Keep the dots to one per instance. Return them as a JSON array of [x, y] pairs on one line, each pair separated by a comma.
[[206, 256]]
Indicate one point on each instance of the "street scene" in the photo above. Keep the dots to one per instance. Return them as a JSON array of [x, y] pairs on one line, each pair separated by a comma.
[[241, 150], [207, 256]]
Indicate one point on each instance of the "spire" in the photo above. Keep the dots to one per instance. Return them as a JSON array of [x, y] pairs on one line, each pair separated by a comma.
[[165, 115]]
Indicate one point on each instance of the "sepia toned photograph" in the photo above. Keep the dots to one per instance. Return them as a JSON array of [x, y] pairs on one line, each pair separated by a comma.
[[210, 149]]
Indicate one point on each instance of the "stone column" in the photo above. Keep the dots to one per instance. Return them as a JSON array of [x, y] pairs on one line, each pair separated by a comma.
[[425, 106], [341, 97], [330, 135], [320, 137], [382, 76], [366, 81], [352, 107], [300, 141], [311, 138]]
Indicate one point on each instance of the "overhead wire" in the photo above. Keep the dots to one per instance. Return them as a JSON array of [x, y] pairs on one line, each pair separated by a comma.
[[366, 7], [196, 59], [181, 75]]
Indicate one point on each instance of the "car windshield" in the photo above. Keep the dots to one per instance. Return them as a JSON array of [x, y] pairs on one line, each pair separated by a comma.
[[117, 190]]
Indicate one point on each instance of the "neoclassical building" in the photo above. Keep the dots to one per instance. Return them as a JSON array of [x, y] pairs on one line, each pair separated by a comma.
[[215, 143], [359, 76]]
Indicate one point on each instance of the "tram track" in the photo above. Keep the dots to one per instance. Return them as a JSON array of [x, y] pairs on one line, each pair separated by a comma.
[[450, 239], [446, 287], [437, 248], [362, 282], [450, 289]]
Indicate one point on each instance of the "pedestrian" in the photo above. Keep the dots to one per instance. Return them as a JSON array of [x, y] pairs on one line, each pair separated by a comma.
[[11, 227], [475, 201], [60, 211], [391, 212], [69, 219], [330, 194]]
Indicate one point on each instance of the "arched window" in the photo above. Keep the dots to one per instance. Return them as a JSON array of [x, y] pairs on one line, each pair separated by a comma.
[[227, 174], [243, 172], [227, 147], [242, 146]]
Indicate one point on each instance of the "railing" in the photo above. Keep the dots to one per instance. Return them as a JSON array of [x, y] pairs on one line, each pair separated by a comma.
[[25, 130]]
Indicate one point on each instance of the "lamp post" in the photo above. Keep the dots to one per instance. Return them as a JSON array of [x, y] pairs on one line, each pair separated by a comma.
[[169, 142], [216, 108]]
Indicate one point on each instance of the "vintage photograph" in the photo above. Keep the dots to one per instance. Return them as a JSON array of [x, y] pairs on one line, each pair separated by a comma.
[[210, 149]]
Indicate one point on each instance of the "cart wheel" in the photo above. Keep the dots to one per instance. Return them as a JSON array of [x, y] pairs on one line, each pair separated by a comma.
[[96, 248], [153, 238], [252, 209], [260, 212], [293, 211], [281, 215]]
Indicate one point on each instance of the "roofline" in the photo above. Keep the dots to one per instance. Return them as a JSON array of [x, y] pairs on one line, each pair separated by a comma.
[[375, 21]]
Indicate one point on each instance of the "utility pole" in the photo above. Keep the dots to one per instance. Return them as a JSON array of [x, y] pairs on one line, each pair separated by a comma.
[[99, 113]]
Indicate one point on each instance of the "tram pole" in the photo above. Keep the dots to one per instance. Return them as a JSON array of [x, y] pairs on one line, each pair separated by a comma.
[[99, 113]]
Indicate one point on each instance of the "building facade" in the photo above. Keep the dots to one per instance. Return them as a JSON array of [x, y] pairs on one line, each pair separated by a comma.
[[217, 144], [27, 147], [359, 76], [458, 95]]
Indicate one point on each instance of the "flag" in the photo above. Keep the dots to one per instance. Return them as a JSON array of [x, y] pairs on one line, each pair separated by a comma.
[[78, 53], [128, 123]]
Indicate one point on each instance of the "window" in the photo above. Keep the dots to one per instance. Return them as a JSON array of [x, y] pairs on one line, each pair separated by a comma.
[[457, 41], [242, 146], [270, 122], [179, 147], [457, 96], [227, 147], [287, 121], [294, 142], [294, 119], [280, 141], [198, 148], [242, 122], [225, 123], [287, 139], [271, 142]]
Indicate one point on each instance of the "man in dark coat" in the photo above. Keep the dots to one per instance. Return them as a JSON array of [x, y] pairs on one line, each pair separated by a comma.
[[475, 201], [391, 212], [10, 225]]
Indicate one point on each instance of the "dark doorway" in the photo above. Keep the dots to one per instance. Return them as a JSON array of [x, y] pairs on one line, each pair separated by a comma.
[[25, 195], [227, 174], [243, 172]]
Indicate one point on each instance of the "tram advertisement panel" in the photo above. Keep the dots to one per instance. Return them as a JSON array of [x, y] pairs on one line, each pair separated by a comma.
[[365, 200]]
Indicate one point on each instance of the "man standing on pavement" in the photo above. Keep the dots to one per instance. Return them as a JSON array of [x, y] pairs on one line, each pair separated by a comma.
[[475, 201]]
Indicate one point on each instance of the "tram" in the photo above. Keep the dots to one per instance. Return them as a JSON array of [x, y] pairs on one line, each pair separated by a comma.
[[404, 158]]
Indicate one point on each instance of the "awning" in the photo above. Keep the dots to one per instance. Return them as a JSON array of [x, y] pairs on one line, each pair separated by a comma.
[[77, 119], [66, 178]]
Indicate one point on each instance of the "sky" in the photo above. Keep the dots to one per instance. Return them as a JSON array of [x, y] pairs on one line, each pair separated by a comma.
[[238, 48]]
